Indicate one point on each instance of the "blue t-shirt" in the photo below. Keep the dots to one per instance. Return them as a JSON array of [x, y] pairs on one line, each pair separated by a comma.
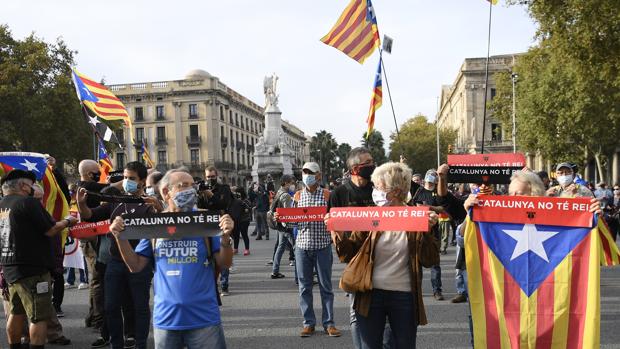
[[184, 286]]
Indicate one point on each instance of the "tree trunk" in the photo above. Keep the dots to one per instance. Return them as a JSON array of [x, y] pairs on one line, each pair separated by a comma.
[[599, 167]]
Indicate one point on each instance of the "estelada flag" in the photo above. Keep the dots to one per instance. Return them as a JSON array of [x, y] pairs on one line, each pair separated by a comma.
[[535, 285], [53, 199]]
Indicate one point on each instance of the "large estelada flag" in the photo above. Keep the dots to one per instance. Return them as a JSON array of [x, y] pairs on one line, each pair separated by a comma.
[[533, 269], [53, 199], [99, 99], [355, 33]]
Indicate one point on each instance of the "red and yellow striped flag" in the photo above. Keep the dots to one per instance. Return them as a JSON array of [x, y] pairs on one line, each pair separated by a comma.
[[355, 33], [375, 101], [99, 99], [547, 297], [146, 156]]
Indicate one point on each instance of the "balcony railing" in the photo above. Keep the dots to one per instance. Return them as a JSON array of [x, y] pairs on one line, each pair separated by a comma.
[[194, 140], [162, 167], [240, 145], [495, 143], [161, 141], [195, 165], [224, 165], [224, 142], [139, 118], [160, 117]]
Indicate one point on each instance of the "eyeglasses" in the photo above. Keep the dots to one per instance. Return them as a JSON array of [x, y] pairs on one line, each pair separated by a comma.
[[183, 185]]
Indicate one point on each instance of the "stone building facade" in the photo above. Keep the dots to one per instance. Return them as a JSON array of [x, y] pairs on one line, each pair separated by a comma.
[[196, 122]]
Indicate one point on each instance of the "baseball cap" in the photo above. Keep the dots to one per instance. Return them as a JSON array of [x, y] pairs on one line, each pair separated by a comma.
[[564, 164], [312, 166], [17, 173]]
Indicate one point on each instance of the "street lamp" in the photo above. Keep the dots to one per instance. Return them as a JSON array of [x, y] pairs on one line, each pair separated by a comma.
[[514, 77]]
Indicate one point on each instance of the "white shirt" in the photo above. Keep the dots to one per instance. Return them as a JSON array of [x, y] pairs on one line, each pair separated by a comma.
[[391, 264]]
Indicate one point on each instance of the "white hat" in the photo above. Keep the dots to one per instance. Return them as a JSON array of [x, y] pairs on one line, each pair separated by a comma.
[[312, 167]]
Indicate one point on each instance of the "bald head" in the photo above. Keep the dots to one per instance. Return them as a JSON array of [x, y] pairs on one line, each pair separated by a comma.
[[88, 168]]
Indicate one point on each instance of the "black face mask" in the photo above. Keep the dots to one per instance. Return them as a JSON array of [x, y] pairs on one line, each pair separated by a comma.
[[95, 176], [212, 181], [366, 171]]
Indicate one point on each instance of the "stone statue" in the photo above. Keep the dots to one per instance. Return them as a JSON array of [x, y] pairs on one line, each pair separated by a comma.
[[269, 88], [260, 145]]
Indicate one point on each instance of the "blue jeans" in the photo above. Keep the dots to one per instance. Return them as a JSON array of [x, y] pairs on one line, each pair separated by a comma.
[[355, 332], [117, 276], [461, 281], [207, 337], [71, 275], [400, 308], [283, 239], [436, 269], [306, 261], [224, 275]]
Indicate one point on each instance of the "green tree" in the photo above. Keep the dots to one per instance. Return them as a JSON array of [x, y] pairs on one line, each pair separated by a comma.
[[418, 143], [342, 153], [375, 143], [568, 91], [323, 149], [38, 106]]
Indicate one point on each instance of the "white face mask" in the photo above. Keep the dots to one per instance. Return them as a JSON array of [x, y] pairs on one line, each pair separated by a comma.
[[379, 197], [565, 180]]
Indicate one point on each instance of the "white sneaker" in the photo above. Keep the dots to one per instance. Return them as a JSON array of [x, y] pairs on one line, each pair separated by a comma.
[[82, 286], [68, 285]]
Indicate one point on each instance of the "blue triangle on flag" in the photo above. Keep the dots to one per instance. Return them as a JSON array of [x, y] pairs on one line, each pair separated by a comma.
[[518, 248], [33, 162]]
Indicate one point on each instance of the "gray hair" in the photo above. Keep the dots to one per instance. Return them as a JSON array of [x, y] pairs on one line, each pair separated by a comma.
[[12, 185], [165, 181], [532, 180], [354, 156], [393, 175]]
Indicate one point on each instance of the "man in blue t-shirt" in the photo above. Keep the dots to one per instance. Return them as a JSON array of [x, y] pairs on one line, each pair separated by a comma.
[[185, 312]]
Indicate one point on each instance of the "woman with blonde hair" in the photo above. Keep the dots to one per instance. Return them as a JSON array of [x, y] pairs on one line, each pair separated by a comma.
[[396, 260]]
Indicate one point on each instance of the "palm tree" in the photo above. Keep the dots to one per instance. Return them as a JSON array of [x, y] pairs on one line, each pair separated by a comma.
[[374, 143], [323, 148]]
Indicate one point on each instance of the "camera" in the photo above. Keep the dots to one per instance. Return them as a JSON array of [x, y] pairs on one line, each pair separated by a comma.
[[204, 185]]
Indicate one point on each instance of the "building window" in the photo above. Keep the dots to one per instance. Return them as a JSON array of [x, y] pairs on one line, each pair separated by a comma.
[[493, 92], [223, 155], [161, 134], [120, 135], [161, 157], [232, 156], [193, 110], [159, 112], [139, 134], [252, 126], [139, 113], [193, 131], [222, 112], [120, 161], [236, 119], [230, 118], [496, 132], [242, 121], [139, 156], [194, 156]]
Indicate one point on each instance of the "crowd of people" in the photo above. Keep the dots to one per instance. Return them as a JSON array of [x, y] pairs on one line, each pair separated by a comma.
[[187, 294]]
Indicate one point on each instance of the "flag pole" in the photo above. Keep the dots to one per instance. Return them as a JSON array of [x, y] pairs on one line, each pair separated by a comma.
[[486, 79], [387, 84]]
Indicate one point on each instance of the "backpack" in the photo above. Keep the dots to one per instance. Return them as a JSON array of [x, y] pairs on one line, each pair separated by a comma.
[[271, 221]]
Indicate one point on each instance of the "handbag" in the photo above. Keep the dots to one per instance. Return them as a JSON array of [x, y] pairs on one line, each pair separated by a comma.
[[357, 275]]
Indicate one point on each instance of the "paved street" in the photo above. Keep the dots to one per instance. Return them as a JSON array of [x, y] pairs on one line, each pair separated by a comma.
[[264, 313]]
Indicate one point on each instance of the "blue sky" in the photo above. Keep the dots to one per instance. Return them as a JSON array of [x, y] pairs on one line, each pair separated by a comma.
[[241, 41]]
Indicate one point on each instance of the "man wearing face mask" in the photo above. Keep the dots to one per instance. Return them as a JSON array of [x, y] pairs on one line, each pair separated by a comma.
[[216, 196], [26, 257], [117, 275], [282, 199], [314, 249], [355, 191], [186, 311], [434, 194], [567, 188]]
